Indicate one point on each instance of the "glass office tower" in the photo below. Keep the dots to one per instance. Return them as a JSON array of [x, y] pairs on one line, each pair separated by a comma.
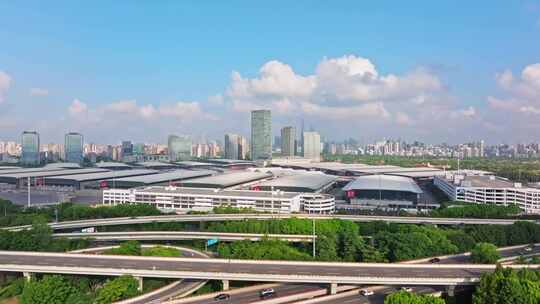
[[73, 145], [30, 148], [261, 135], [179, 147], [288, 141]]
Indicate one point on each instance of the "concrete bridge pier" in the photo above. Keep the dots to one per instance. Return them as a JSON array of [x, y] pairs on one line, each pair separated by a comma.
[[140, 281], [451, 290], [225, 285], [332, 288], [27, 276]]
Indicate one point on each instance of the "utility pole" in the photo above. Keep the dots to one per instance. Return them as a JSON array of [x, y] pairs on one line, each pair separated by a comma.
[[272, 204], [28, 194], [314, 237]]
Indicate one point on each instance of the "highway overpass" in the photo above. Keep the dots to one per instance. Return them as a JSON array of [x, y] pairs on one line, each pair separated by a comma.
[[245, 270], [183, 235], [239, 217]]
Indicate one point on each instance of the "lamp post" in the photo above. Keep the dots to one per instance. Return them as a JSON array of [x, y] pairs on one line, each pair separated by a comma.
[[314, 237]]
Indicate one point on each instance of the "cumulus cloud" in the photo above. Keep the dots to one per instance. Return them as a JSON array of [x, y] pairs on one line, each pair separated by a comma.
[[521, 94], [346, 87], [129, 110], [77, 108], [38, 92], [5, 83]]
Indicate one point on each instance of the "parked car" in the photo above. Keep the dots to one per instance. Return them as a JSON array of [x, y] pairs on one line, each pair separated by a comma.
[[222, 297], [407, 289], [366, 292], [267, 292]]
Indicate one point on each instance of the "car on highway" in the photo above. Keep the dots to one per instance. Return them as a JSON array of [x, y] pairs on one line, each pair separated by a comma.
[[366, 293], [528, 249], [267, 292], [222, 297], [406, 288], [434, 260]]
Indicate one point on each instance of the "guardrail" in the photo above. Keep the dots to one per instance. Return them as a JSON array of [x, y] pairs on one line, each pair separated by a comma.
[[183, 235], [288, 274], [237, 217]]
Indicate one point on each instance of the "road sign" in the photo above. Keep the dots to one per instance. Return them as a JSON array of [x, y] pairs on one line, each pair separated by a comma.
[[211, 242]]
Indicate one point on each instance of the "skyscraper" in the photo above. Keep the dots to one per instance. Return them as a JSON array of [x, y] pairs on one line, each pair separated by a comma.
[[243, 148], [73, 147], [30, 148], [232, 145], [179, 147], [261, 135], [288, 141], [312, 145], [138, 149], [127, 148]]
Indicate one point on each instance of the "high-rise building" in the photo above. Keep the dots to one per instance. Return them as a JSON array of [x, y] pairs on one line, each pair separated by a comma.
[[261, 135], [138, 149], [232, 145], [73, 147], [127, 148], [312, 145], [30, 148], [179, 147], [288, 141], [243, 148]]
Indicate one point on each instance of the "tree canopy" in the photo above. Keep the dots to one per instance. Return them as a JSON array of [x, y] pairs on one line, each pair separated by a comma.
[[404, 297], [485, 253]]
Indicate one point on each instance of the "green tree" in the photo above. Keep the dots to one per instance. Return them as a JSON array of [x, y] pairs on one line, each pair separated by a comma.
[[485, 253], [52, 289], [507, 286], [126, 248], [404, 297], [161, 251], [123, 287]]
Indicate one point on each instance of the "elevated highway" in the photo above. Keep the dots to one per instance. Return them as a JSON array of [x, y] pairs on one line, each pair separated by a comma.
[[183, 235], [245, 270], [240, 217]]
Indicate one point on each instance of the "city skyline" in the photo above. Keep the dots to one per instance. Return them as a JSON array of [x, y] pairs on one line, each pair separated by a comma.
[[477, 78]]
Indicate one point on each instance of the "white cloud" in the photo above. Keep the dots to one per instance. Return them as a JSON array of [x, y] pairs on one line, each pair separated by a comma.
[[124, 110], [348, 86], [39, 92], [185, 111], [77, 107], [522, 94], [5, 83], [216, 99]]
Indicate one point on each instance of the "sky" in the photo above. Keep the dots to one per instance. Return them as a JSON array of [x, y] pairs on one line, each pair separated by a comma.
[[435, 71]]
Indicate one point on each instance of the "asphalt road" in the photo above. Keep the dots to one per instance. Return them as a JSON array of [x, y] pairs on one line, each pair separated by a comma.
[[263, 271], [253, 296], [232, 217], [380, 294], [184, 286], [377, 297]]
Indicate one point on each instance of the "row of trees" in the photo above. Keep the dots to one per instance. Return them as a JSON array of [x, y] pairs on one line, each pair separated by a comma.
[[38, 238], [135, 248], [508, 286], [477, 211], [339, 240], [56, 289], [404, 297], [14, 215]]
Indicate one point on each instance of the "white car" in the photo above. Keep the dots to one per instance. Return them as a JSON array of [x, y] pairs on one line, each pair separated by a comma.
[[528, 249], [366, 292], [407, 289]]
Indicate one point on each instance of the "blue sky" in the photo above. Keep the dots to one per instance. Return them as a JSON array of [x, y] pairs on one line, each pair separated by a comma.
[[163, 53]]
